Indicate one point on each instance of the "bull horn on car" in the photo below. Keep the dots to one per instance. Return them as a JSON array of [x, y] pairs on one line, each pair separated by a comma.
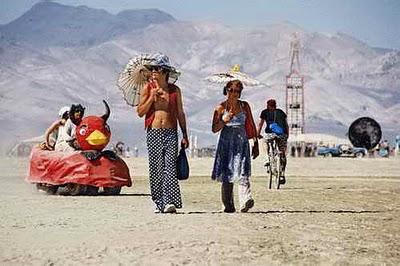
[[107, 114]]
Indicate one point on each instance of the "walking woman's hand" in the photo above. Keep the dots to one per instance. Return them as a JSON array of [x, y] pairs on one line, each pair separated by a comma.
[[227, 117], [185, 143]]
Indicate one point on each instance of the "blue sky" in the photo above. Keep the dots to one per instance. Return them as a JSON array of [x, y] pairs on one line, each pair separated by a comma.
[[375, 22]]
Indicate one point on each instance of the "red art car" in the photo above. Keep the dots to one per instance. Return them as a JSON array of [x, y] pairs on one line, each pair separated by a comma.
[[73, 174], [81, 172]]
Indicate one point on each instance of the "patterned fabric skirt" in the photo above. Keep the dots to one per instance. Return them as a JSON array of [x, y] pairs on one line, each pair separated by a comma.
[[232, 159], [162, 145]]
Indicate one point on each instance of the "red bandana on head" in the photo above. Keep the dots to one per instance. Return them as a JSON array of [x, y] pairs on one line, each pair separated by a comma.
[[93, 133]]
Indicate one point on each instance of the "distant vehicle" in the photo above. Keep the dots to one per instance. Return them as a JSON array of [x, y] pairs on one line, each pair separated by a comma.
[[342, 150]]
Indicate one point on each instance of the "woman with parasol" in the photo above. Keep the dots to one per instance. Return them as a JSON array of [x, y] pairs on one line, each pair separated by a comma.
[[160, 102], [233, 118]]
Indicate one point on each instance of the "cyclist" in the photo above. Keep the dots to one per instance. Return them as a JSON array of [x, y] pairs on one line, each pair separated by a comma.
[[276, 122]]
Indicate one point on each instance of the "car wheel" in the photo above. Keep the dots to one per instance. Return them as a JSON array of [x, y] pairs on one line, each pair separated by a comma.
[[328, 154], [49, 189], [92, 190], [72, 189], [109, 191], [359, 154]]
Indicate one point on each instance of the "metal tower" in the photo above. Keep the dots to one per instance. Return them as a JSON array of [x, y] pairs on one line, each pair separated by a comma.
[[295, 91]]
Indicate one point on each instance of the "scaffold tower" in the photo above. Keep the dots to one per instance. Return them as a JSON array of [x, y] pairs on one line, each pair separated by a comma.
[[295, 91]]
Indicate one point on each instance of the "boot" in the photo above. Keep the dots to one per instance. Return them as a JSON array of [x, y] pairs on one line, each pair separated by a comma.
[[227, 197]]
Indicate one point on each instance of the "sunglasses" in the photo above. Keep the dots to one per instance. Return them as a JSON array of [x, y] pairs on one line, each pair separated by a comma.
[[234, 91], [154, 68]]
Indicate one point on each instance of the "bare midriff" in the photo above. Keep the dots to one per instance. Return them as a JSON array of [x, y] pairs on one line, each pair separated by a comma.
[[163, 116]]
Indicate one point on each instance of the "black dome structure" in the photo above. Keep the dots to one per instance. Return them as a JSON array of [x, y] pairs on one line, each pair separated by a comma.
[[365, 132]]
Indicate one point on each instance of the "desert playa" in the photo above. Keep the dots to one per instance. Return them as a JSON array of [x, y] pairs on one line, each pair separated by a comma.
[[331, 211]]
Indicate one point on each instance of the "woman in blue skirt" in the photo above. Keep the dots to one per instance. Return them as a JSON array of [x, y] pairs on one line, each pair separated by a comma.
[[232, 160]]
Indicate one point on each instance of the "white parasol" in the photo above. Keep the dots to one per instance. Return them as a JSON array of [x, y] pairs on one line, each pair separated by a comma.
[[233, 74], [135, 75]]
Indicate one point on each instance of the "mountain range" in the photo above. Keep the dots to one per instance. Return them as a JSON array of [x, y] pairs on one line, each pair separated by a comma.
[[56, 55]]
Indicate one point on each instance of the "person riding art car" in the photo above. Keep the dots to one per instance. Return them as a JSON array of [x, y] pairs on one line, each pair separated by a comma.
[[85, 171]]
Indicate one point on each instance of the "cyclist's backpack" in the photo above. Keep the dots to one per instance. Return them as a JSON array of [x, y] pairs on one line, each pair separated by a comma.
[[275, 128]]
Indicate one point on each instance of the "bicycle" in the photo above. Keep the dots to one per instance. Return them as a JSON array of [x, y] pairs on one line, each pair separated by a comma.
[[274, 168]]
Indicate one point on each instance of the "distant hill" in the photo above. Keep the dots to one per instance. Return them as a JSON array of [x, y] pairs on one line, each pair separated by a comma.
[[52, 24], [344, 78]]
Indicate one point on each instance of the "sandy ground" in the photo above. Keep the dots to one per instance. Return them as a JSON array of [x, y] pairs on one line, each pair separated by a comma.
[[332, 211]]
